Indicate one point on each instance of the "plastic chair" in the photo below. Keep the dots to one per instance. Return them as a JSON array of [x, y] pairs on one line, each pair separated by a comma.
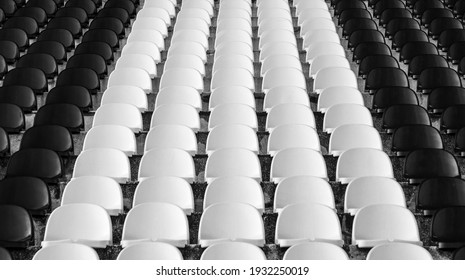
[[185, 61], [232, 136], [85, 77], [188, 47], [12, 118], [233, 61], [283, 77], [147, 35], [348, 136], [111, 136], [366, 49], [242, 77], [289, 113], [231, 94], [422, 62], [404, 114], [434, 163], [53, 137], [324, 78], [76, 95], [31, 193], [341, 114], [131, 76], [66, 251], [36, 162], [440, 192], [315, 251], [385, 77], [142, 47], [447, 227], [171, 136], [30, 77], [126, 94], [119, 114], [297, 162], [150, 251], [411, 137], [398, 251], [326, 61], [232, 162], [157, 13], [338, 95], [22, 233], [284, 95], [16, 35], [182, 114], [101, 48], [292, 136], [233, 113], [443, 77], [191, 77], [233, 251], [141, 61], [371, 62], [383, 98]]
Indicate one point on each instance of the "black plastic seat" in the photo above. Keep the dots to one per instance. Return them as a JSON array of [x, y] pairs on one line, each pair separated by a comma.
[[100, 48], [422, 5], [27, 24], [11, 118], [397, 24], [4, 142], [459, 253], [16, 227], [411, 137], [63, 36], [9, 7], [385, 77], [396, 116], [403, 37], [76, 95], [42, 61], [30, 77], [85, 77], [459, 9], [450, 36], [448, 227], [456, 52], [356, 24], [67, 115], [453, 118], [74, 12], [370, 48], [374, 61], [53, 48], [69, 23], [364, 36], [102, 35], [22, 96], [88, 6], [129, 6], [3, 66], [4, 254], [383, 5], [49, 6], [53, 137], [31, 193], [41, 163], [436, 193], [9, 50], [436, 77], [91, 61], [440, 24], [413, 49], [118, 13], [15, 35], [111, 23], [423, 164], [441, 98], [388, 96], [389, 14], [345, 5], [36, 13], [431, 14], [421, 62]]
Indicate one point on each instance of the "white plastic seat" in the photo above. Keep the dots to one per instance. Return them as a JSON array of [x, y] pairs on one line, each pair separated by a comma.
[[234, 189], [190, 35], [281, 48], [182, 77], [280, 61], [293, 136], [275, 23], [273, 4], [186, 47], [147, 35], [231, 221], [232, 162], [346, 113], [150, 251], [237, 5], [399, 251], [205, 5], [168, 189], [284, 95], [143, 47], [224, 77], [107, 162], [232, 136], [275, 36], [383, 223], [319, 36], [66, 251], [298, 189], [155, 222], [303, 222], [233, 113], [315, 251], [196, 13], [182, 114], [171, 136], [234, 23], [365, 191], [160, 13], [273, 12], [234, 13], [71, 223], [325, 61], [297, 162], [231, 48], [141, 61], [228, 36], [183, 23], [324, 78], [185, 61], [179, 95], [126, 94], [231, 94], [312, 24], [349, 136], [311, 4], [311, 13], [131, 76], [233, 61], [336, 95], [283, 76], [98, 190], [165, 4], [233, 251], [324, 48], [167, 162], [111, 136], [289, 113], [152, 23], [120, 114], [361, 162]]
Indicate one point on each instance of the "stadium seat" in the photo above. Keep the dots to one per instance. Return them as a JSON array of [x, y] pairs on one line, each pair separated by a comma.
[[341, 114], [88, 5], [111, 136], [233, 251], [285, 94], [37, 13], [186, 61], [126, 94], [371, 62], [276, 61], [67, 115], [163, 222], [447, 227], [355, 24], [431, 14], [222, 78], [385, 76], [292, 136], [85, 77], [232, 162], [233, 113], [297, 162], [397, 24], [74, 12], [69, 23], [76, 95], [232, 136], [315, 251], [66, 251], [91, 61], [94, 47], [181, 114], [153, 12], [423, 62], [12, 119], [150, 251], [370, 48], [70, 224], [398, 251], [336, 95], [61, 35], [16, 35], [434, 163], [53, 137], [31, 193], [440, 192], [324, 48], [30, 77], [191, 77], [36, 162], [450, 36], [27, 24], [9, 50], [348, 136], [407, 138], [42, 61], [231, 94], [131, 76], [289, 113], [396, 116], [16, 227], [386, 97], [443, 77], [325, 78], [119, 114]]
